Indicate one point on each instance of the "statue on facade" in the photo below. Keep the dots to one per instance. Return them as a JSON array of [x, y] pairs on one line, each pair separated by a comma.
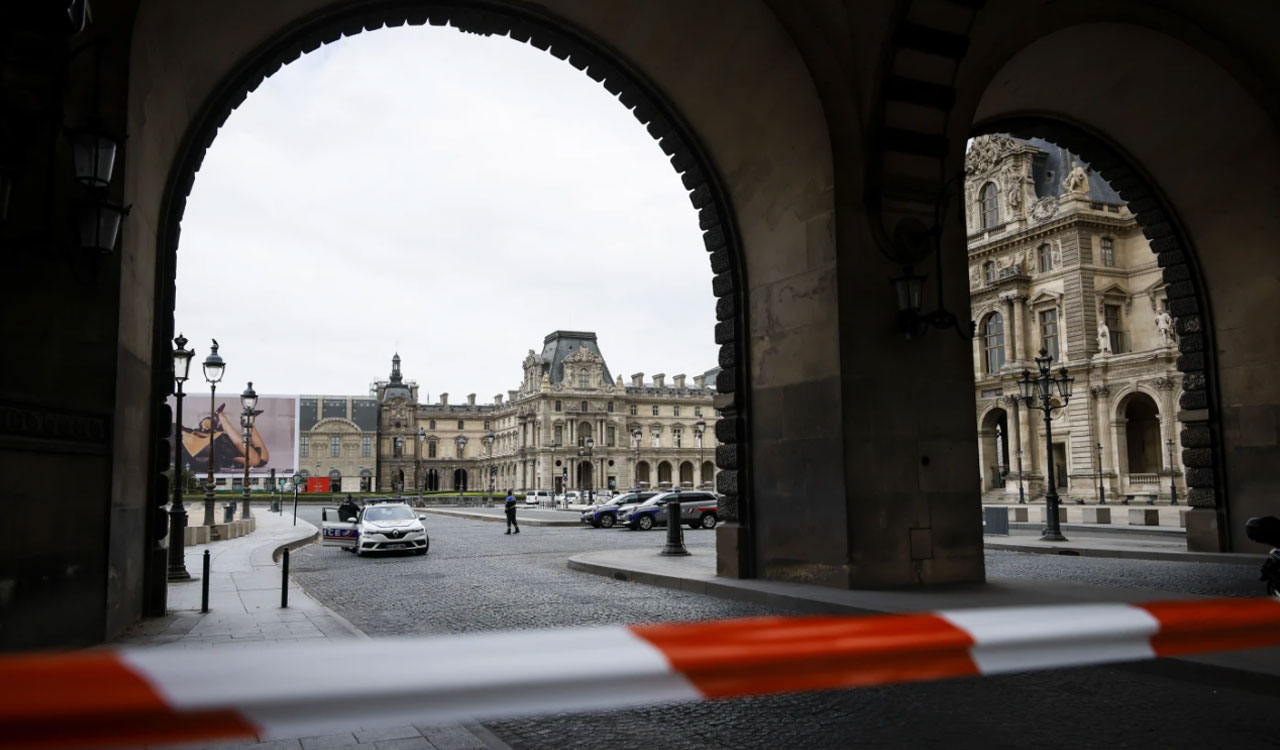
[[1076, 181], [1164, 324], [1104, 339]]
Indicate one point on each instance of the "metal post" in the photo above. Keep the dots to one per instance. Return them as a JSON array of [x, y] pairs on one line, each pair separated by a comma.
[[295, 503], [177, 511], [1173, 488], [208, 488], [248, 436], [284, 581], [1053, 532], [675, 532], [1022, 497], [204, 585], [1102, 495]]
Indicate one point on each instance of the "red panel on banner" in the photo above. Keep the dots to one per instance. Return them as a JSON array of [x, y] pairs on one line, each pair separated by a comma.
[[317, 484]]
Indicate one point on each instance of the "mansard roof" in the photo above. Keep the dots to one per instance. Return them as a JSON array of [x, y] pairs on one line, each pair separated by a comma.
[[558, 345]]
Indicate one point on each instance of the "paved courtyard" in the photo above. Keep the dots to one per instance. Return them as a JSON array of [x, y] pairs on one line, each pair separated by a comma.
[[476, 578]]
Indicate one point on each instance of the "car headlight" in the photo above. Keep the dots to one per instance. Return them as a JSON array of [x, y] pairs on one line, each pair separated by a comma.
[[368, 532]]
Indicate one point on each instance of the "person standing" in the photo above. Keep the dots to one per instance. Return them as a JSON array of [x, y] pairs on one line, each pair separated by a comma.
[[511, 512]]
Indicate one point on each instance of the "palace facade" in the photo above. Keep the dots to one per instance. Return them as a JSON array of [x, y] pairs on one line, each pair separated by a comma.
[[569, 425], [1058, 262]]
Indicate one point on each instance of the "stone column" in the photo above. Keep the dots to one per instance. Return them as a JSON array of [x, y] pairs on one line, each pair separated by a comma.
[[1012, 335], [1019, 307], [1101, 395], [1013, 404]]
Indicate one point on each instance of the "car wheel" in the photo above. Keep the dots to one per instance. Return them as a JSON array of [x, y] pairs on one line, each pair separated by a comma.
[[606, 521], [356, 549], [709, 520], [695, 525], [645, 522]]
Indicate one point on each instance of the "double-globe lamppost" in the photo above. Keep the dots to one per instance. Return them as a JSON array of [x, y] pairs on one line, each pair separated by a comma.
[[1173, 488], [699, 429], [1038, 393], [585, 451], [248, 405], [177, 511], [636, 436], [488, 450], [213, 367], [417, 470], [458, 472]]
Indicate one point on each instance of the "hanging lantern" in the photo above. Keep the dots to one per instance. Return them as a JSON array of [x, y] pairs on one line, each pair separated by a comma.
[[93, 151], [100, 225]]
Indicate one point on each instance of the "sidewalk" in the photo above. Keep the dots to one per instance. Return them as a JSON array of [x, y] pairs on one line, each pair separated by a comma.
[[697, 574], [244, 608], [526, 517]]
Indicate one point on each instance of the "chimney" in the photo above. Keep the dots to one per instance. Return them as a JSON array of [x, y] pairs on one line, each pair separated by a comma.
[[637, 380], [471, 399], [678, 380], [444, 399], [699, 381], [511, 395], [497, 399], [659, 379]]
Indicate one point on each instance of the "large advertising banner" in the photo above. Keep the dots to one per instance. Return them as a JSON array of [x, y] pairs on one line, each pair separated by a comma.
[[272, 442]]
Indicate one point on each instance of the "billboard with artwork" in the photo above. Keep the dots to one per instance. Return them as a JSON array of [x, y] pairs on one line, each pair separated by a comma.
[[271, 444]]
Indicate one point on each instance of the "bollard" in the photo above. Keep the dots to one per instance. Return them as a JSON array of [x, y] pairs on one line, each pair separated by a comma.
[[284, 582], [204, 586], [675, 533]]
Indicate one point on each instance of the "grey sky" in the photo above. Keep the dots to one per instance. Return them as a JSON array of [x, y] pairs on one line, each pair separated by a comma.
[[453, 196]]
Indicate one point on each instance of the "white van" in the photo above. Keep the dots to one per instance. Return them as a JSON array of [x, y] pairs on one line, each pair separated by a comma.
[[537, 497]]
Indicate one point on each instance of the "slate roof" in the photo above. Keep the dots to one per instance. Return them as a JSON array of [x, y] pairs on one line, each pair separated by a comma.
[[560, 344]]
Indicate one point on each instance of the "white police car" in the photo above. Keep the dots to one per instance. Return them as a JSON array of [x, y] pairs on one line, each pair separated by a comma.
[[379, 527]]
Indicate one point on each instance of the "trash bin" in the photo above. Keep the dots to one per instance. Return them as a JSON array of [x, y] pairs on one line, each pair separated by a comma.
[[228, 512], [995, 520]]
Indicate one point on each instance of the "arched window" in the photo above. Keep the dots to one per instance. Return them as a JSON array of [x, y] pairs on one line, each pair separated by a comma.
[[584, 380], [993, 342], [990, 208]]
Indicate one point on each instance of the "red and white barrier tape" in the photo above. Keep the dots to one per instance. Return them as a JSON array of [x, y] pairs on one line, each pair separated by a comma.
[[146, 695]]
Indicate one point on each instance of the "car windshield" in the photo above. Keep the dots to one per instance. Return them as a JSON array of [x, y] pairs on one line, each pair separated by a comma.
[[620, 500], [655, 500], [391, 513]]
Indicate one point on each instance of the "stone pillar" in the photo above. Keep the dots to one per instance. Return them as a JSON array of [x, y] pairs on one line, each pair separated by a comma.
[[1012, 334], [1101, 395], [1023, 351], [1013, 407]]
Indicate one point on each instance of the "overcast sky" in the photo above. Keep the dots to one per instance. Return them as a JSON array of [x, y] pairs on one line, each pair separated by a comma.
[[450, 196]]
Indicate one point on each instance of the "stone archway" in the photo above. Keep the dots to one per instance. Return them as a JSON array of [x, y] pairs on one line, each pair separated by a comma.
[[642, 474], [993, 449]]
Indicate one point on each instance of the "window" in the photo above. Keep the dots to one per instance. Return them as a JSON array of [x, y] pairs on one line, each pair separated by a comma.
[[990, 209], [557, 406], [459, 424], [1046, 258], [1108, 252], [676, 435], [633, 410], [610, 407], [304, 446], [433, 425], [655, 411], [486, 424], [1111, 316], [584, 406], [989, 271], [397, 447], [675, 410], [697, 411], [611, 436], [993, 339], [584, 380], [1049, 332], [559, 435], [431, 449], [366, 446], [335, 446]]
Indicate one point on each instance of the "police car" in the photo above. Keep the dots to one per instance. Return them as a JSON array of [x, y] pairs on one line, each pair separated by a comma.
[[390, 526]]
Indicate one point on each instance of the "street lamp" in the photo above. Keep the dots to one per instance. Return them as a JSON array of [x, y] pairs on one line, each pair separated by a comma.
[[636, 435], [248, 403], [1102, 497], [1022, 498], [457, 473], [699, 428], [417, 471], [177, 511], [213, 367], [1173, 488], [297, 479], [488, 449], [1038, 394], [585, 452]]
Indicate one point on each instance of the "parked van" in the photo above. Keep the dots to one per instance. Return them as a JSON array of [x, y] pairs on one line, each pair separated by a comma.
[[537, 497]]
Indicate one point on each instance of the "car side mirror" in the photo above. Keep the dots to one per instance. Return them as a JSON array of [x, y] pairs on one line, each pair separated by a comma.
[[324, 515], [421, 517]]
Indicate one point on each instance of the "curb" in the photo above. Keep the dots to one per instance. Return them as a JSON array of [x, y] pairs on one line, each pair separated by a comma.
[[1228, 558], [295, 544], [499, 519]]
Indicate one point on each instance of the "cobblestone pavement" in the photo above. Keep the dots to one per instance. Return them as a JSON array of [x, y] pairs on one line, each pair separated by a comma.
[[476, 578]]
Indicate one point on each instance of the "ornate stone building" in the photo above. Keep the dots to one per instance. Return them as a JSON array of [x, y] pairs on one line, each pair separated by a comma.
[[1057, 261], [652, 433], [337, 438]]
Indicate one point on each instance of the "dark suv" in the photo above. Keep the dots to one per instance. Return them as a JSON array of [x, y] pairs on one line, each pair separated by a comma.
[[606, 514], [697, 509]]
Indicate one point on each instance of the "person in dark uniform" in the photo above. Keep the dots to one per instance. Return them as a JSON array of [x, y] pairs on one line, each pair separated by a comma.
[[511, 512], [348, 511]]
